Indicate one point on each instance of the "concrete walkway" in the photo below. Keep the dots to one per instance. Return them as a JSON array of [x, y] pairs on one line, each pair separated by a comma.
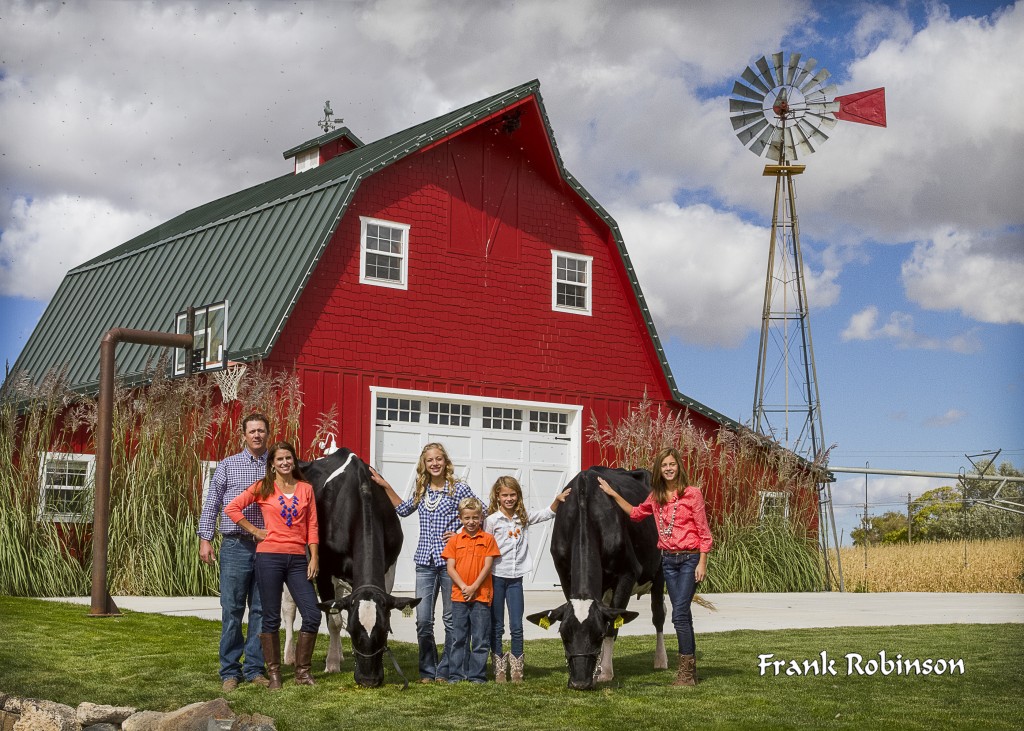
[[733, 611]]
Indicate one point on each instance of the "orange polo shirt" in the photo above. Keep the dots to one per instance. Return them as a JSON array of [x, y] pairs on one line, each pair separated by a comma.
[[469, 553]]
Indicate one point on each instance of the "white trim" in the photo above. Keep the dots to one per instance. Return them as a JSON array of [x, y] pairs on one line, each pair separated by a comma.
[[403, 281], [208, 467], [307, 160], [766, 495], [45, 458], [588, 285], [210, 363]]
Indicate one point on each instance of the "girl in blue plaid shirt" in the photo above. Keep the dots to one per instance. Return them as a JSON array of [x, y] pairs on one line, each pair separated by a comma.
[[436, 498]]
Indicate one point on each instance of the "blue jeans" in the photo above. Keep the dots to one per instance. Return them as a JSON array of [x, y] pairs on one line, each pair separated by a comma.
[[507, 591], [238, 588], [681, 585], [471, 624], [273, 571], [431, 581]]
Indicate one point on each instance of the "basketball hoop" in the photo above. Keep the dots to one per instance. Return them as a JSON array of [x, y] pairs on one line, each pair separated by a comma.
[[228, 381]]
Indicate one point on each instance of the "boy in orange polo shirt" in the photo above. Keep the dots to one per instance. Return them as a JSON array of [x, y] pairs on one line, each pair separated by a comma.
[[469, 554]]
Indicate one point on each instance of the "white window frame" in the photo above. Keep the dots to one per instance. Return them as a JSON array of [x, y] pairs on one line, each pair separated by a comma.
[[588, 286], [403, 257], [307, 160], [208, 467], [767, 496], [47, 458], [211, 362]]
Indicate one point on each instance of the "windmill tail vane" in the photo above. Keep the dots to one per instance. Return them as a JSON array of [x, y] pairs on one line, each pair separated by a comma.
[[782, 109]]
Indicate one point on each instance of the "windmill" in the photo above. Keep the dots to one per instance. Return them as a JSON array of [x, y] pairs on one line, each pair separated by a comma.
[[781, 109]]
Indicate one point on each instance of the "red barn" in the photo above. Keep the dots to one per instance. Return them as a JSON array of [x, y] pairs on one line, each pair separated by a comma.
[[452, 282]]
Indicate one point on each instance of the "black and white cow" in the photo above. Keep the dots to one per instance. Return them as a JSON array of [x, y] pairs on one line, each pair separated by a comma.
[[360, 539], [600, 555]]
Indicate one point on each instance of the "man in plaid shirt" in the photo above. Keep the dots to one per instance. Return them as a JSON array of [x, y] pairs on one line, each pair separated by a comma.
[[237, 556]]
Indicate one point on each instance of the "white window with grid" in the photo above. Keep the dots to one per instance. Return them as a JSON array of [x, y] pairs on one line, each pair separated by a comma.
[[774, 505], [549, 422], [307, 160], [571, 289], [495, 417], [210, 338], [447, 414], [383, 253], [399, 409], [66, 484]]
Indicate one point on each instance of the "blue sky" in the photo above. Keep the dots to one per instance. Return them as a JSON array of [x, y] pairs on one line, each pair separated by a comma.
[[119, 116]]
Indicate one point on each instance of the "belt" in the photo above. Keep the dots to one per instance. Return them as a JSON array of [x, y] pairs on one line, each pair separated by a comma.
[[241, 536], [679, 553]]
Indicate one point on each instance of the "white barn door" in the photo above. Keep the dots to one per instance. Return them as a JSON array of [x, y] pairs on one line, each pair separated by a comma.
[[538, 443]]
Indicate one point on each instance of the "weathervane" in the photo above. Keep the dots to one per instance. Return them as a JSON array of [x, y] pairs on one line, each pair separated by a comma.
[[327, 123], [780, 109]]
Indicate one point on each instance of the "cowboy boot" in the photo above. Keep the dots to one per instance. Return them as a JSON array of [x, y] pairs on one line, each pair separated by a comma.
[[271, 643], [515, 666], [687, 672], [500, 664], [304, 658]]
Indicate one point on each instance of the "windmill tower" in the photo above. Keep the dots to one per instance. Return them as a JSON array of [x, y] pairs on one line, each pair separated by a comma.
[[781, 109]]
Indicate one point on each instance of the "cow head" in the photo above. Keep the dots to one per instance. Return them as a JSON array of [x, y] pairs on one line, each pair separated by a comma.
[[584, 625], [369, 623]]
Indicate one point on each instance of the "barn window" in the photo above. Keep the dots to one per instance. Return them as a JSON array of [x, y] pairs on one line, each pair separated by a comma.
[[549, 422], [496, 417], [383, 250], [66, 483], [445, 414], [570, 282], [774, 505], [307, 160], [210, 340], [208, 468], [398, 409]]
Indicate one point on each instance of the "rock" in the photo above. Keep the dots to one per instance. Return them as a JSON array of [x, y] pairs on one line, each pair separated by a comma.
[[89, 714], [34, 720], [255, 722], [143, 721], [196, 716], [102, 727], [61, 716]]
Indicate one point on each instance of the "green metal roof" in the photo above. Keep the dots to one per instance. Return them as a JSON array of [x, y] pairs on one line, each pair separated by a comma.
[[220, 251]]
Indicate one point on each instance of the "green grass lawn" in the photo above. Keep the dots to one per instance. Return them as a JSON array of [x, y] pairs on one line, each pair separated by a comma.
[[154, 662]]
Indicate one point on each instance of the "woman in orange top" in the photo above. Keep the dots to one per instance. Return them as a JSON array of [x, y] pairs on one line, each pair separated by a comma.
[[289, 512], [684, 539]]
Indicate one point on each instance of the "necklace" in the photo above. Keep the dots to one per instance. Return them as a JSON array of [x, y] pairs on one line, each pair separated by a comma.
[[666, 526], [432, 499], [289, 511]]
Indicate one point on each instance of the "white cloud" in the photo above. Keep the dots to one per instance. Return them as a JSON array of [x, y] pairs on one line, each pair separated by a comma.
[[982, 276], [45, 238], [899, 327], [885, 493], [951, 417]]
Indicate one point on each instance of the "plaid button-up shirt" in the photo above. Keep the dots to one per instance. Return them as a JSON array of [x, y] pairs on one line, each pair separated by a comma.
[[435, 523], [232, 476]]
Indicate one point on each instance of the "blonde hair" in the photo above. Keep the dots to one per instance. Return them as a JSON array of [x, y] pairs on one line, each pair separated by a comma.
[[508, 482], [423, 477], [658, 486], [470, 503]]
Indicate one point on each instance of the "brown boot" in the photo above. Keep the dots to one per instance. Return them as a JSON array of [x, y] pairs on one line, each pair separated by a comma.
[[515, 668], [304, 658], [271, 643], [500, 664], [687, 672]]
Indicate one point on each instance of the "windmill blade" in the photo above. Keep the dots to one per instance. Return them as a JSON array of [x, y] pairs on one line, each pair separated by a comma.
[[815, 136], [751, 77], [823, 93], [740, 90], [792, 68], [780, 78], [742, 120], [816, 79], [787, 137], [824, 120], [739, 105], [764, 140], [822, 108], [804, 134], [766, 72], [753, 131], [806, 71]]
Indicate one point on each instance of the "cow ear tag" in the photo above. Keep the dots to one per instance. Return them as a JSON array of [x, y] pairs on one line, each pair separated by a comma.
[[407, 611], [545, 623], [619, 621]]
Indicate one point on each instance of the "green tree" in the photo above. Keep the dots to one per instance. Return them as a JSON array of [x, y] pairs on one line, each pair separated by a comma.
[[890, 527], [965, 512]]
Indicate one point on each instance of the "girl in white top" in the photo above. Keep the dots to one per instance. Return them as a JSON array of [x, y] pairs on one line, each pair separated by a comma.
[[507, 520]]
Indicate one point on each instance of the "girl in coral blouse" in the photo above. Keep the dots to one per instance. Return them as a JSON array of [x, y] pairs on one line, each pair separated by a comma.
[[289, 512], [684, 539]]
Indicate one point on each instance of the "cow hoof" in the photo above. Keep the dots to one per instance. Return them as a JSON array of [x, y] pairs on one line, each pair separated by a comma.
[[603, 678]]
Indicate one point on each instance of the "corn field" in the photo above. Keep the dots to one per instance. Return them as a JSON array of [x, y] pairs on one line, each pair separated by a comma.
[[948, 566]]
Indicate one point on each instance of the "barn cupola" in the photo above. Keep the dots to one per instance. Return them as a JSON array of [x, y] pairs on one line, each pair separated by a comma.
[[333, 142]]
